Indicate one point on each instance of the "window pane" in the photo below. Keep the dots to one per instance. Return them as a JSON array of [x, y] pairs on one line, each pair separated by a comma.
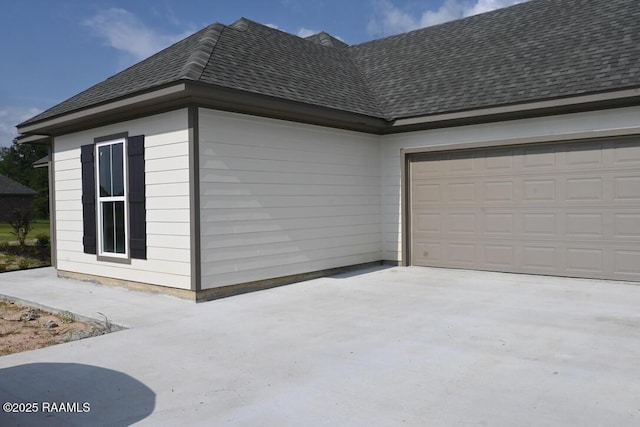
[[104, 161], [111, 187], [119, 227], [117, 166], [107, 227]]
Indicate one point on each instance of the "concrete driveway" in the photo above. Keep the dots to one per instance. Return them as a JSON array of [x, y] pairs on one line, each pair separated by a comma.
[[382, 347]]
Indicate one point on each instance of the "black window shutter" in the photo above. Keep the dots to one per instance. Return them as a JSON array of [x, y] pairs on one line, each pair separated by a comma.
[[137, 206], [88, 199]]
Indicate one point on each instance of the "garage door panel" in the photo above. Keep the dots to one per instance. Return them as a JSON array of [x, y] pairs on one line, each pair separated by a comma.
[[499, 256], [589, 154], [584, 189], [461, 254], [537, 190], [428, 168], [461, 192], [428, 253], [627, 225], [499, 161], [538, 157], [429, 222], [584, 224], [569, 209], [427, 193], [462, 223], [585, 260], [498, 224], [537, 224], [540, 257], [460, 163], [627, 188], [627, 262], [498, 191], [627, 152]]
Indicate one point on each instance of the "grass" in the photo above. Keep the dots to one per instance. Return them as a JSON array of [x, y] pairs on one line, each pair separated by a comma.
[[67, 317], [39, 226], [35, 253]]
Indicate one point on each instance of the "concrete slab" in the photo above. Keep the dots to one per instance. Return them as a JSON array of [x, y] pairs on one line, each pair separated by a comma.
[[42, 288], [396, 346]]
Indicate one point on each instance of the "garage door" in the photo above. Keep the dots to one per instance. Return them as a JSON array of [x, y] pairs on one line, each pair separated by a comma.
[[566, 209]]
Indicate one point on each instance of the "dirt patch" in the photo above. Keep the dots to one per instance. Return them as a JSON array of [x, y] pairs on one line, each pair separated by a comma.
[[24, 328]]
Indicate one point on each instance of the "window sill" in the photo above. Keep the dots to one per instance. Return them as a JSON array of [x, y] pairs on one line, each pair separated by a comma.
[[114, 259]]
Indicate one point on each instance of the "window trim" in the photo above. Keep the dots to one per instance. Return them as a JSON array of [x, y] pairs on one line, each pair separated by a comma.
[[101, 254]]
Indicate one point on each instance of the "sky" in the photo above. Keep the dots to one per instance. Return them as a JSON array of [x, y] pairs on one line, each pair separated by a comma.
[[51, 50]]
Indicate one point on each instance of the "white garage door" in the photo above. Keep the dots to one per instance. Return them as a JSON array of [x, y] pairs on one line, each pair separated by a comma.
[[566, 209]]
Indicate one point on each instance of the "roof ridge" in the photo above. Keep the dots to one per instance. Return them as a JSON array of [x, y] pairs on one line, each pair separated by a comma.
[[325, 39], [241, 24], [197, 61]]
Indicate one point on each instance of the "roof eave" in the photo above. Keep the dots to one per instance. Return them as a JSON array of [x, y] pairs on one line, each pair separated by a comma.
[[227, 99], [185, 93], [601, 100], [90, 116], [34, 139]]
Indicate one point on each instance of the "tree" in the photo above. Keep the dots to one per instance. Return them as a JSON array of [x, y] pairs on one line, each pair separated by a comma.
[[16, 162]]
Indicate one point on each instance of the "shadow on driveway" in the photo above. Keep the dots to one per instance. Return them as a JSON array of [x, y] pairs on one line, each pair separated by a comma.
[[72, 394]]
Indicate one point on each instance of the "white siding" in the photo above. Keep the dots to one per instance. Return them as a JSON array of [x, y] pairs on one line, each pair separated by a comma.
[[167, 188], [280, 198], [579, 125]]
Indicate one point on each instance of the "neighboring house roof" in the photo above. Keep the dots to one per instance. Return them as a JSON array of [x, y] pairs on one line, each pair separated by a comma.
[[537, 50], [42, 162], [9, 187]]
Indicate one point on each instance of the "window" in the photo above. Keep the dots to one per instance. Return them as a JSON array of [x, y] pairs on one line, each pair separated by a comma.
[[114, 223], [111, 198]]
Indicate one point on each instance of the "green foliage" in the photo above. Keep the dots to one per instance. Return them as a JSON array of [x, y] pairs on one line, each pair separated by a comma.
[[38, 227], [21, 225], [43, 240], [105, 326], [67, 317], [16, 162], [24, 263]]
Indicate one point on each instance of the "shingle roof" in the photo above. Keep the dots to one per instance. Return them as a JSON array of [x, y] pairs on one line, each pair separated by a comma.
[[326, 39], [270, 62], [9, 187], [42, 162], [169, 65], [538, 50]]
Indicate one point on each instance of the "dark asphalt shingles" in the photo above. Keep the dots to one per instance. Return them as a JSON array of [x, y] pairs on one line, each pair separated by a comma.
[[537, 50]]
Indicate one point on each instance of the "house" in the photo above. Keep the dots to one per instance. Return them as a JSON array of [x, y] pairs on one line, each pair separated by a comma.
[[243, 157], [15, 199]]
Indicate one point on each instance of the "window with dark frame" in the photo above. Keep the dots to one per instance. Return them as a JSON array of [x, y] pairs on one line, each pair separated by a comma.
[[114, 224], [111, 192]]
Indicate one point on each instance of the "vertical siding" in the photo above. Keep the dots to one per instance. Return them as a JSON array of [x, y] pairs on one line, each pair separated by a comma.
[[580, 125], [167, 189], [280, 198]]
